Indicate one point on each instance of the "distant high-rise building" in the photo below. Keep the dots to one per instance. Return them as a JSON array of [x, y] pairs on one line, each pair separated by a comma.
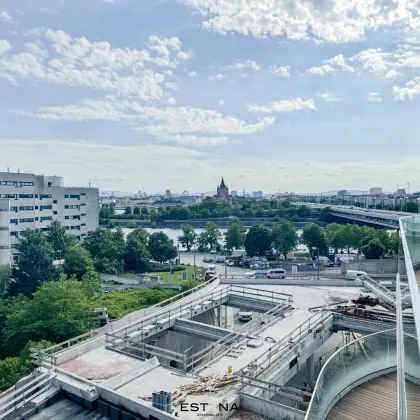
[[234, 193], [257, 194], [168, 194], [401, 192], [375, 191], [342, 193]]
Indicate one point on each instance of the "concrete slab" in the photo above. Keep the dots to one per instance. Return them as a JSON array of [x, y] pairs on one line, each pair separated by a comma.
[[158, 379], [100, 364]]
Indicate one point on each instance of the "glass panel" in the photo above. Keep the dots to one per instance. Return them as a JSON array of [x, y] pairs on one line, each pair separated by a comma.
[[360, 360]]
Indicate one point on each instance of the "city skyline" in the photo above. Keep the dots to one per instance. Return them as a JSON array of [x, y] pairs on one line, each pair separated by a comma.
[[317, 97]]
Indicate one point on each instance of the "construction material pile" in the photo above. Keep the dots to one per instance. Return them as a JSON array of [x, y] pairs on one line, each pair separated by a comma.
[[211, 383], [366, 300]]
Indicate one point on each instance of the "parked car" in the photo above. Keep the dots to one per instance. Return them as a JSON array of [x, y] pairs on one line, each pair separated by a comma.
[[276, 273], [245, 315], [213, 251]]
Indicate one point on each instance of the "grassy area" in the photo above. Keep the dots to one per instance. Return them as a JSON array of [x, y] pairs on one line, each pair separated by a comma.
[[122, 302], [166, 276]]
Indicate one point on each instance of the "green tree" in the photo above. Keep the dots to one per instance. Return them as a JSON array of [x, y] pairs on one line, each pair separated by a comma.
[[91, 283], [188, 237], [258, 241], [394, 243], [136, 255], [189, 284], [58, 311], [335, 236], [106, 211], [161, 248], [136, 210], [34, 264], [5, 279], [11, 370], [77, 262], [235, 235], [210, 237], [59, 239], [144, 211], [139, 234], [284, 237], [374, 249], [131, 224], [127, 210], [313, 236]]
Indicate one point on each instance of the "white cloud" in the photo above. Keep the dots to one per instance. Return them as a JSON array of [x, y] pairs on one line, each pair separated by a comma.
[[374, 97], [171, 101], [283, 106], [328, 97], [192, 73], [248, 64], [96, 65], [185, 125], [373, 60], [410, 91], [4, 46], [218, 76], [73, 160], [221, 102], [330, 66], [338, 21], [321, 70], [5, 17], [392, 74], [282, 71]]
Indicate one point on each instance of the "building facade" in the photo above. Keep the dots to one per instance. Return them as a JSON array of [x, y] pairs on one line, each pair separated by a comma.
[[375, 191], [222, 191], [34, 201]]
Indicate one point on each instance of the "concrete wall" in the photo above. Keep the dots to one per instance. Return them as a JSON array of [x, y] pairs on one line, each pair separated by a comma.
[[270, 409], [385, 266], [285, 282]]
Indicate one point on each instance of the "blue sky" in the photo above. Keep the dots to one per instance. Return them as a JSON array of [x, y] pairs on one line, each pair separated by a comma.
[[173, 94]]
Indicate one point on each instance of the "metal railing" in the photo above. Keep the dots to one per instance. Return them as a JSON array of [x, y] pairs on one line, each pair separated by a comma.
[[276, 352]]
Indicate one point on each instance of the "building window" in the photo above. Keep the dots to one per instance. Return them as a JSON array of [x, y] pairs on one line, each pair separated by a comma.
[[83, 214], [14, 221], [10, 183], [14, 209], [14, 246], [82, 193], [54, 201], [66, 206], [46, 208], [75, 207], [83, 224], [54, 212], [44, 219], [75, 196], [66, 196], [24, 208], [45, 196], [36, 219], [83, 234], [83, 204], [75, 217], [29, 220], [16, 234], [75, 227], [67, 217], [36, 207], [26, 196], [11, 196], [26, 184]]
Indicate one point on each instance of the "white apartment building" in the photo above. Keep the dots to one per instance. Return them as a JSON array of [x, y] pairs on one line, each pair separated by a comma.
[[29, 201]]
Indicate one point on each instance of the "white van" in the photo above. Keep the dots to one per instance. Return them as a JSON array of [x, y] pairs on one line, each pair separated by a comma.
[[353, 275], [276, 273]]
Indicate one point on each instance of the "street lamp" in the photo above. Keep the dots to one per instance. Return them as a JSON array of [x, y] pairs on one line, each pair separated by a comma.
[[315, 247]]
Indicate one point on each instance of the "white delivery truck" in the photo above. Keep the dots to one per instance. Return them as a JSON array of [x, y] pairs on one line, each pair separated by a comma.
[[354, 274]]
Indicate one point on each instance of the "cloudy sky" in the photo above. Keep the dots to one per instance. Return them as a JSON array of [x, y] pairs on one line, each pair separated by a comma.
[[292, 95]]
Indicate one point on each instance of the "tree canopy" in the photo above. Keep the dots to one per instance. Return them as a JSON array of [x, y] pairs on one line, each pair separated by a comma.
[[313, 236], [235, 235], [161, 248], [188, 237], [34, 264], [284, 237], [209, 238], [59, 239], [77, 262], [258, 241]]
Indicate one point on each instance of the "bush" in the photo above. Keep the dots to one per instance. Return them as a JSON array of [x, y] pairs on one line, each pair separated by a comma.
[[164, 268], [11, 370]]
